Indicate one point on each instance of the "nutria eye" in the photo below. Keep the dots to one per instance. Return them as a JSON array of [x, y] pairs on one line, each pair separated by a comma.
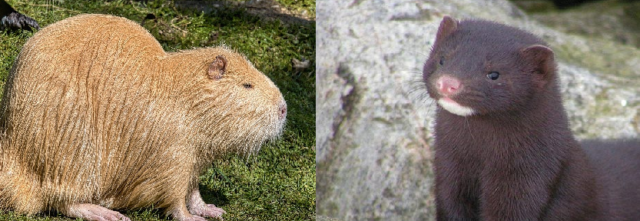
[[493, 75], [441, 61], [247, 85]]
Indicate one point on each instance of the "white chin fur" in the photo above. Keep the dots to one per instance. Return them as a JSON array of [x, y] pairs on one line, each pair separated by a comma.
[[455, 108]]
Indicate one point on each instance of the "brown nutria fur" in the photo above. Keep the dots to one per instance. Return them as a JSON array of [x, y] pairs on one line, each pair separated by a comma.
[[97, 115], [503, 147]]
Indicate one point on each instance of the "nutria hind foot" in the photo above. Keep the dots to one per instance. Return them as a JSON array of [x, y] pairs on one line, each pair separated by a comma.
[[94, 212], [197, 206]]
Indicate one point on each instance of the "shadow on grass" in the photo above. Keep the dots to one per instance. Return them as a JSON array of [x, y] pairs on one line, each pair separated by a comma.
[[214, 197], [266, 9]]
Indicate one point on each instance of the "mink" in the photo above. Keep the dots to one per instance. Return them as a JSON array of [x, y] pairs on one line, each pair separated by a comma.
[[503, 146]]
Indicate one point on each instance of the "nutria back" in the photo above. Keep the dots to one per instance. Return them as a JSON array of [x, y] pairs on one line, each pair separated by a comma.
[[95, 111]]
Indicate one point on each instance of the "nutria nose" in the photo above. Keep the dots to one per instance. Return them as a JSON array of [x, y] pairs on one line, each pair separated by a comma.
[[448, 85], [282, 110]]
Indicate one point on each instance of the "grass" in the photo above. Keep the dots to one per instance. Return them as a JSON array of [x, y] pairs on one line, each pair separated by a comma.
[[279, 182]]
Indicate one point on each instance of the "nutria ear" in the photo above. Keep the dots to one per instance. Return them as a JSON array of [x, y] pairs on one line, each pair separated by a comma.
[[447, 26], [540, 59], [217, 68]]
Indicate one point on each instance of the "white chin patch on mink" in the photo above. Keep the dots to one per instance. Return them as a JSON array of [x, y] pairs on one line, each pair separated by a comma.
[[455, 108]]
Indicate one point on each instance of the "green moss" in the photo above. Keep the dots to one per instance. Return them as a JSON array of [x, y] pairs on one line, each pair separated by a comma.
[[278, 183], [610, 28], [607, 59]]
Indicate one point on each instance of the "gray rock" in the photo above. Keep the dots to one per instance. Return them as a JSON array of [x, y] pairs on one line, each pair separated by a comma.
[[374, 117]]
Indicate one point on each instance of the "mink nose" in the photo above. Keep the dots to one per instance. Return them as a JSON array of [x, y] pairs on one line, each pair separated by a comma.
[[448, 85], [282, 110]]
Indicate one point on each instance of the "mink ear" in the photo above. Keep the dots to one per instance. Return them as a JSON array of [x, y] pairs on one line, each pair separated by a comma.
[[447, 26], [217, 68], [540, 59]]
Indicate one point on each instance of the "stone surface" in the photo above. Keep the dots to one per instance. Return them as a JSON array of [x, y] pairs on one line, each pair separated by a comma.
[[374, 117]]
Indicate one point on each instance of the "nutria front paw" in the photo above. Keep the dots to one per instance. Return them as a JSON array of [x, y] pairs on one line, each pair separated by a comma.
[[208, 210], [197, 206]]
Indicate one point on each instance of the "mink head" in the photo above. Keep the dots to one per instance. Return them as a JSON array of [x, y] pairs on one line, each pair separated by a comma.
[[480, 67]]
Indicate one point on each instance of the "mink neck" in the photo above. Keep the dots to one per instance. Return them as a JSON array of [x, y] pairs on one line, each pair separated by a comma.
[[544, 113], [545, 110]]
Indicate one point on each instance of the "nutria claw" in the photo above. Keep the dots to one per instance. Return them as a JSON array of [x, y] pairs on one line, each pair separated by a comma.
[[95, 212]]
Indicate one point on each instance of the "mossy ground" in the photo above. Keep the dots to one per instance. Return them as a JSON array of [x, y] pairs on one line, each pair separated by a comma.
[[279, 182], [607, 34]]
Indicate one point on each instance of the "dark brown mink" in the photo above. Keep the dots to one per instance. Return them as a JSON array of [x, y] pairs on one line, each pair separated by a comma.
[[503, 147]]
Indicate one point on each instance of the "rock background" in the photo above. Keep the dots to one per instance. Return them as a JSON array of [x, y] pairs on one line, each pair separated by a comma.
[[374, 118]]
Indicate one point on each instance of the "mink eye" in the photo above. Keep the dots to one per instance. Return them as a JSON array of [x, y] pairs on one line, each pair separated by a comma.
[[441, 61], [247, 85], [493, 75]]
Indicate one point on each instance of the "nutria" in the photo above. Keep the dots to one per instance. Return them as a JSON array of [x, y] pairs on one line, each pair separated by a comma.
[[97, 117], [503, 147]]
